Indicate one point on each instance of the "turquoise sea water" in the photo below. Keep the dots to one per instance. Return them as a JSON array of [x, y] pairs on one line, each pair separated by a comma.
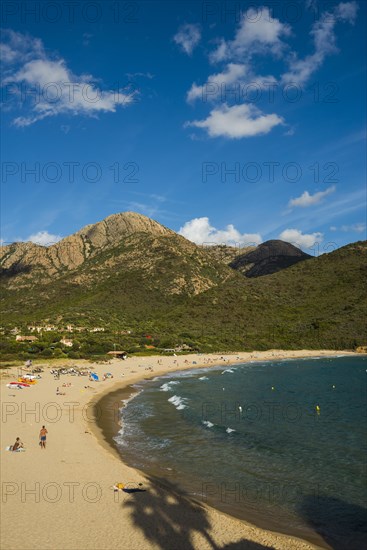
[[281, 444]]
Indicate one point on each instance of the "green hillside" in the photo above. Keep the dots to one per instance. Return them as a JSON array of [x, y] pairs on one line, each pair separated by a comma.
[[161, 290]]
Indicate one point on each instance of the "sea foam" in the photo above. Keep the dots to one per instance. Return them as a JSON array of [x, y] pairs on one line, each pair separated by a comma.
[[208, 424], [168, 385], [178, 402]]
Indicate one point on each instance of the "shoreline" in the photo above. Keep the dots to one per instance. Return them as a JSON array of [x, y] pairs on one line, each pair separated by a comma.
[[104, 433], [97, 463]]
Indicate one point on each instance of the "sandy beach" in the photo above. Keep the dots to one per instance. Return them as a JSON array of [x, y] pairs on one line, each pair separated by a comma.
[[62, 497]]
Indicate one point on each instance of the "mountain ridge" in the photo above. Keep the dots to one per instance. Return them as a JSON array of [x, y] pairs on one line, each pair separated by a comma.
[[71, 252], [153, 280], [126, 241]]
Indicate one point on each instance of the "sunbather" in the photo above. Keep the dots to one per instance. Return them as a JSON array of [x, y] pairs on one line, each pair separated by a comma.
[[17, 445]]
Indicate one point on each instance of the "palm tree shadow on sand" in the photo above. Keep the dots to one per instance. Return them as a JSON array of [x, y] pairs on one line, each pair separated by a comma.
[[168, 518], [343, 526]]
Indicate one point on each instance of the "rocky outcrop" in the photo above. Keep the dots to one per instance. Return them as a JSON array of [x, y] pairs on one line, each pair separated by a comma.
[[125, 243], [227, 254], [70, 253]]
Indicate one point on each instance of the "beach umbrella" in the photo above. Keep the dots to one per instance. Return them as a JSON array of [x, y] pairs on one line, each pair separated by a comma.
[[94, 376]]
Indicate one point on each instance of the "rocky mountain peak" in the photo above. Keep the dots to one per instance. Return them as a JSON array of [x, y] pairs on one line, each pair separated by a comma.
[[72, 251], [114, 227]]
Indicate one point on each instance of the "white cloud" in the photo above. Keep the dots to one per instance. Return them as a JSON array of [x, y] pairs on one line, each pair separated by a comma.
[[44, 238], [306, 199], [323, 33], [347, 11], [52, 87], [257, 32], [356, 227], [20, 48], [148, 75], [235, 80], [40, 71], [237, 122], [311, 5], [221, 53], [200, 231], [7, 54], [302, 240], [188, 37], [231, 74]]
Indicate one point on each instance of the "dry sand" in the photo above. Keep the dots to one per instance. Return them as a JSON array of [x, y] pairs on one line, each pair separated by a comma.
[[62, 497]]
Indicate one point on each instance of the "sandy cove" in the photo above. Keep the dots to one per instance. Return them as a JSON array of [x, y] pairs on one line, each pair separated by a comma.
[[61, 498]]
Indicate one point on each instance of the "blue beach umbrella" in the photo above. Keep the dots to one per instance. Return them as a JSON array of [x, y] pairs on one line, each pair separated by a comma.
[[94, 376]]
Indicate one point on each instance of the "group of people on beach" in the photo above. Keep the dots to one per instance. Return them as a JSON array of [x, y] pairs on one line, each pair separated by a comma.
[[18, 445]]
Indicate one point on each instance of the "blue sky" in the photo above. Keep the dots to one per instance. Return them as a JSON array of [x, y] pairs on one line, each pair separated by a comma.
[[231, 122]]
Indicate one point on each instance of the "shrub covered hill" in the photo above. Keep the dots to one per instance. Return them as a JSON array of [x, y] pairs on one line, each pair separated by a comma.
[[144, 284]]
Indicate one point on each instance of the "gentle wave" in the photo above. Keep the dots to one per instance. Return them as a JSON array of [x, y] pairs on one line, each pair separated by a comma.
[[119, 438], [208, 424], [178, 402], [168, 385]]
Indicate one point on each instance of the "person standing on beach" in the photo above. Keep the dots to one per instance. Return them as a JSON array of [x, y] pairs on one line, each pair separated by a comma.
[[43, 433]]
